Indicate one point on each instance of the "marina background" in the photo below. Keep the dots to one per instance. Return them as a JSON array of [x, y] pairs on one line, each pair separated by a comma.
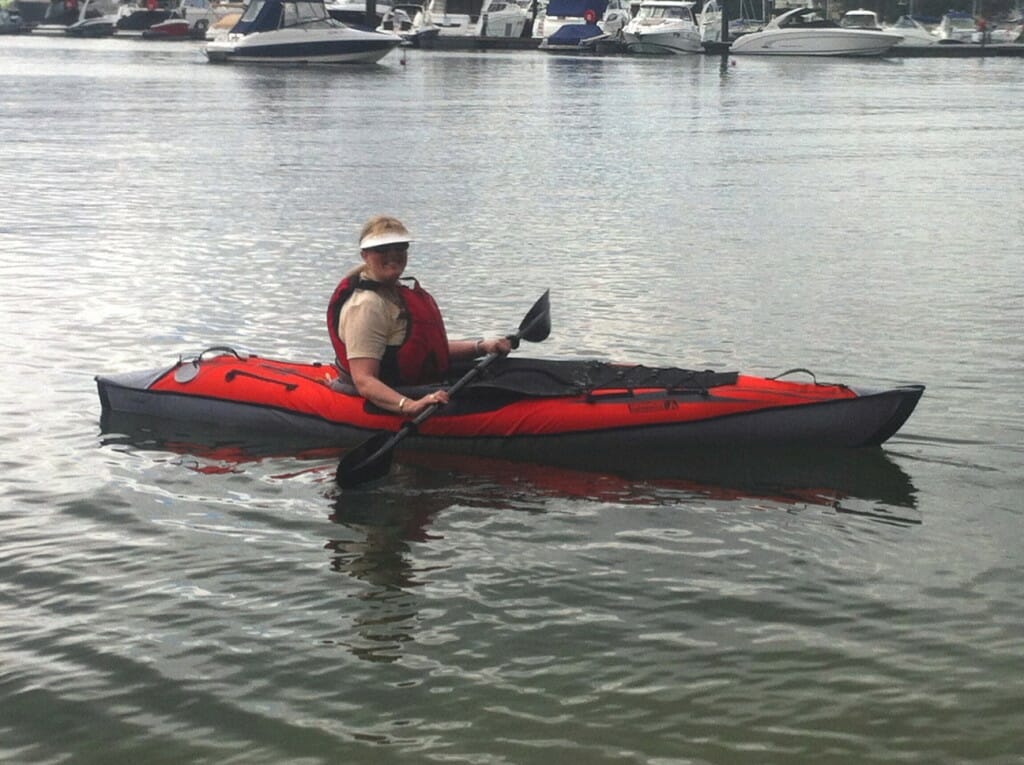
[[171, 598]]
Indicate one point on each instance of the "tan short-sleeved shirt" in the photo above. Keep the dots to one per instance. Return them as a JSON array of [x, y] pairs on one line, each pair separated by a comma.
[[369, 321]]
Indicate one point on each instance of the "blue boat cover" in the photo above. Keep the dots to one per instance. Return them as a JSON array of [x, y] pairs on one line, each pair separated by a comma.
[[270, 15], [571, 34], [576, 8], [259, 16]]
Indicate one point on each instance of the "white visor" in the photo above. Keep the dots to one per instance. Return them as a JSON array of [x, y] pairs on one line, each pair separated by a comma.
[[377, 240]]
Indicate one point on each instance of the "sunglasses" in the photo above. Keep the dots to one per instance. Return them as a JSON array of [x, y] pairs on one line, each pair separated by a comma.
[[392, 249]]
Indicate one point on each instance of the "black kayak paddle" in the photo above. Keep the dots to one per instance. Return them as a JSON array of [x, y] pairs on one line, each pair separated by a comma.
[[372, 458]]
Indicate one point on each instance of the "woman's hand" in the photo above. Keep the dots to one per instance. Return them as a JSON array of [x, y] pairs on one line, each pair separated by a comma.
[[412, 408], [499, 345]]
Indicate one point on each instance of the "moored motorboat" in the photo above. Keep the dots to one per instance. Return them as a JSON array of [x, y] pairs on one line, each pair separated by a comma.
[[956, 27], [12, 23], [297, 31], [806, 32], [664, 27], [913, 31], [189, 19], [97, 18], [171, 29], [519, 408], [136, 16], [79, 18], [412, 22], [575, 25], [504, 18]]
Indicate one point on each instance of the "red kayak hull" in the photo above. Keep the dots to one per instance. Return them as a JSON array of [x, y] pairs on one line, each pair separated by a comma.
[[268, 396]]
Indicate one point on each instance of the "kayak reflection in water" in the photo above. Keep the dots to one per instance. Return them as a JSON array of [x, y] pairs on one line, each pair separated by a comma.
[[389, 334]]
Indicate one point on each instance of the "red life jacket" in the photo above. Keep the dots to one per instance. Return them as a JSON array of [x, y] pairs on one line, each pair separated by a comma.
[[422, 356]]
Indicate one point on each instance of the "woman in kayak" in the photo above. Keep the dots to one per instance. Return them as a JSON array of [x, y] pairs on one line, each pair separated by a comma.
[[388, 334]]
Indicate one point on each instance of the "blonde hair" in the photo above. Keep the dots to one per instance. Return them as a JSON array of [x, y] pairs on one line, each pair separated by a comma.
[[382, 224]]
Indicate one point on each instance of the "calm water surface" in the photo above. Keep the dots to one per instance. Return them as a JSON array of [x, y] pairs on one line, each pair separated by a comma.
[[171, 596]]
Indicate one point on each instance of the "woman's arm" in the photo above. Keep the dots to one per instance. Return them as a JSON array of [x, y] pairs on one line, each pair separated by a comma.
[[365, 376], [471, 349]]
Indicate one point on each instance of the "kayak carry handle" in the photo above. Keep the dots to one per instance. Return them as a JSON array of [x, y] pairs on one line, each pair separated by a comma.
[[225, 351]]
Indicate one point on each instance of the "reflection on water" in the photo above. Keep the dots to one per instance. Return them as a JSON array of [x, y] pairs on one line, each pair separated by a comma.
[[377, 551], [786, 475]]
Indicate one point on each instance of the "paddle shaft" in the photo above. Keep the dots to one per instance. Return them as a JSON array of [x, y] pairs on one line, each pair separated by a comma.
[[354, 468], [411, 425]]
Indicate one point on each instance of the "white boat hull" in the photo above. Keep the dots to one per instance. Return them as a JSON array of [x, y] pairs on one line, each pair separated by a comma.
[[815, 42], [670, 42], [342, 45]]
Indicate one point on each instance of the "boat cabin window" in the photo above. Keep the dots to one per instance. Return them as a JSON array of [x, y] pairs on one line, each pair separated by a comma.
[[854, 20], [961, 23], [302, 13], [252, 11], [665, 12]]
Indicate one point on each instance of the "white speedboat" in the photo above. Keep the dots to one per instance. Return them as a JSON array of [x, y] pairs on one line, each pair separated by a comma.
[[297, 31], [860, 18], [79, 18], [709, 21], [97, 18], [806, 32], [412, 22], [913, 31], [455, 18], [956, 27], [664, 27], [503, 18]]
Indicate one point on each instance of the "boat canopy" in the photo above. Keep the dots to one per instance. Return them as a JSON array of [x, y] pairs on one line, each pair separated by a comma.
[[268, 15], [576, 8]]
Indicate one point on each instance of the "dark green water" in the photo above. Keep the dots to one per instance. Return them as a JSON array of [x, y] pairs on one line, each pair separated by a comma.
[[171, 597]]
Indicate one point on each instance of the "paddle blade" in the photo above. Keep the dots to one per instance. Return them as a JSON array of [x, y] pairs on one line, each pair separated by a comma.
[[536, 325], [364, 464]]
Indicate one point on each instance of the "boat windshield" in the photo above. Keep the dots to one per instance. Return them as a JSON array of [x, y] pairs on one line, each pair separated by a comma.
[[293, 13], [858, 21], [806, 17], [905, 22], [253, 10], [663, 12], [961, 23], [303, 13]]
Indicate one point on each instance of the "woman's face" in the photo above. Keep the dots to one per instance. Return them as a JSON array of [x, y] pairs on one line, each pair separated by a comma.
[[386, 262]]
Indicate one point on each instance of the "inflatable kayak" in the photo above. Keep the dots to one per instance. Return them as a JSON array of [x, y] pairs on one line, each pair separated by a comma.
[[519, 407]]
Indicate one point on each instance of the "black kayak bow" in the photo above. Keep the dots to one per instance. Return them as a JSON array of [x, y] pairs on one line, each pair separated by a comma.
[[372, 458]]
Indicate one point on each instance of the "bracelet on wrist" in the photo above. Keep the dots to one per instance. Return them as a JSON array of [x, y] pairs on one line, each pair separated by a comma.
[[401, 404]]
